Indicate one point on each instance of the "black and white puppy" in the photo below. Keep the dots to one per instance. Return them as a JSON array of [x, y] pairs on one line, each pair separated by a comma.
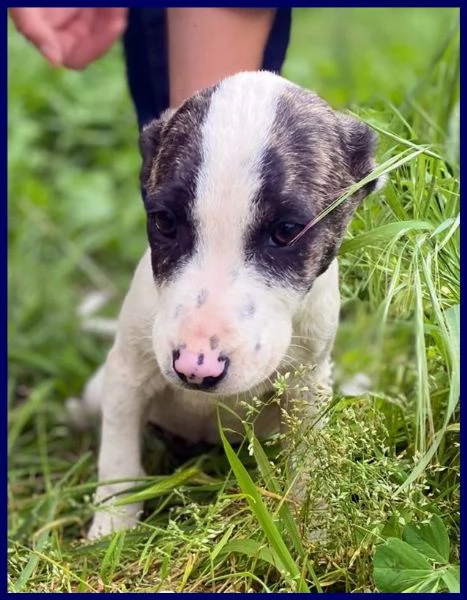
[[221, 302]]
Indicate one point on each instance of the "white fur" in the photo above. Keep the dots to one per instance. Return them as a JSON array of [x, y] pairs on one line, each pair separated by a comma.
[[137, 383], [131, 387]]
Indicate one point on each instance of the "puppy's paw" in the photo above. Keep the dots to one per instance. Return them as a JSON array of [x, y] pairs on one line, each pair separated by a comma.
[[112, 518]]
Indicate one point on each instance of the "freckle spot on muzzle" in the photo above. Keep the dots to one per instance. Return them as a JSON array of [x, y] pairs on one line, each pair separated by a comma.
[[248, 310], [202, 297], [213, 342]]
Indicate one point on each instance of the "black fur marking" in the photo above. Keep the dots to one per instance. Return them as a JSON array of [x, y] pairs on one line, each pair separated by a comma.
[[360, 142], [275, 206], [168, 255], [174, 149], [313, 156], [213, 342]]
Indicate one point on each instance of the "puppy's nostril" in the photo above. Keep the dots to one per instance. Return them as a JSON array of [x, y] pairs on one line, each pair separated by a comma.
[[210, 382]]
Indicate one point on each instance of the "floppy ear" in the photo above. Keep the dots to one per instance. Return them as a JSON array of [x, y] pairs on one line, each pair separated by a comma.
[[359, 143], [150, 142]]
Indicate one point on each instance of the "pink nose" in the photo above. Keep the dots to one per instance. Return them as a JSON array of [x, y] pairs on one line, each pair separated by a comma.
[[201, 369]]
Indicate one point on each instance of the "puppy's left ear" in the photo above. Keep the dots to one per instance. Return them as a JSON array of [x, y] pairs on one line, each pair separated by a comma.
[[359, 142], [150, 141]]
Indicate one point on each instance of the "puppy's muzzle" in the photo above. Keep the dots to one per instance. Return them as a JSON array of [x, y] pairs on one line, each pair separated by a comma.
[[198, 370]]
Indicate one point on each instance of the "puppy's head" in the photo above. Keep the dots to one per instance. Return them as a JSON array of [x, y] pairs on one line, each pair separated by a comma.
[[230, 178]]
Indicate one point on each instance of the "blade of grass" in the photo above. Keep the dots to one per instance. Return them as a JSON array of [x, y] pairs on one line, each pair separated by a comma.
[[284, 510], [289, 568], [162, 487], [389, 231], [26, 411]]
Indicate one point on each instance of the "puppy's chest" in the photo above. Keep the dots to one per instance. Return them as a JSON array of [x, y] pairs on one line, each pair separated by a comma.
[[195, 416]]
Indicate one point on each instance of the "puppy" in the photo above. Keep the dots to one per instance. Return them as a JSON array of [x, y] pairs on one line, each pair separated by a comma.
[[222, 300]]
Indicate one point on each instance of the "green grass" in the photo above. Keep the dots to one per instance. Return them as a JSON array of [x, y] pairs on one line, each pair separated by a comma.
[[387, 465]]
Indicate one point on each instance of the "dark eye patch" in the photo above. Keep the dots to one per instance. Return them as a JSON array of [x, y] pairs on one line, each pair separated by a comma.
[[278, 262], [279, 213], [175, 198], [175, 175], [170, 204]]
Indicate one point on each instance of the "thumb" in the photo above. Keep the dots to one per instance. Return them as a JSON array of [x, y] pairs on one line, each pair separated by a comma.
[[32, 23]]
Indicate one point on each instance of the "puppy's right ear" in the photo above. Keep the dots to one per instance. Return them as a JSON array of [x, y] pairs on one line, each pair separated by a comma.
[[150, 142]]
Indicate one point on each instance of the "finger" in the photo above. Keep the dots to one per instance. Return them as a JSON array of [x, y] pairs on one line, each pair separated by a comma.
[[102, 36], [76, 32], [117, 15], [62, 17], [33, 24]]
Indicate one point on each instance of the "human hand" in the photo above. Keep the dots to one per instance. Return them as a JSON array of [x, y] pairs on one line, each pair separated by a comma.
[[71, 37]]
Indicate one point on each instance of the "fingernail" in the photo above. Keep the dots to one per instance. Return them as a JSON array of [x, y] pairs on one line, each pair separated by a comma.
[[52, 54]]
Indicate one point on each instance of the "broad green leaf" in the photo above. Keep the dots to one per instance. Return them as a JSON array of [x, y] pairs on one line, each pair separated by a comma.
[[397, 567], [431, 539], [452, 579]]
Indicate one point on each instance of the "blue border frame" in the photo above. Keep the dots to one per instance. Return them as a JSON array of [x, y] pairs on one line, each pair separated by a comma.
[[4, 217]]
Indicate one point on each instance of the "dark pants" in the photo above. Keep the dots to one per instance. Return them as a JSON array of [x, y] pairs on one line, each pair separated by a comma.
[[145, 44]]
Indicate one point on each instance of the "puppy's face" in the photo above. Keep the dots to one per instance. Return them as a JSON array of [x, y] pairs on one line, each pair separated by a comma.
[[230, 178]]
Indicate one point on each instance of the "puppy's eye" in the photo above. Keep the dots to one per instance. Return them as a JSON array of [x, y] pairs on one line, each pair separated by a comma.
[[165, 223], [284, 233]]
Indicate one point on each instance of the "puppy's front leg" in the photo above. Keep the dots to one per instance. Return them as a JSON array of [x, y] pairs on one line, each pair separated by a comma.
[[123, 413]]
